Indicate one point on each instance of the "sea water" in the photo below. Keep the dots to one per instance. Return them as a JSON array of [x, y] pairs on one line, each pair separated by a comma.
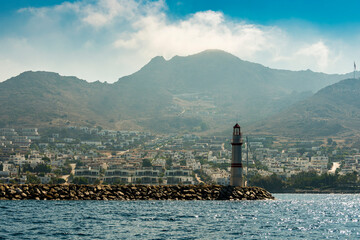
[[290, 216]]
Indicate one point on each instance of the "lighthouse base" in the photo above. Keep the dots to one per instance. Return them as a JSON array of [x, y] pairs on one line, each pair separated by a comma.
[[237, 181]]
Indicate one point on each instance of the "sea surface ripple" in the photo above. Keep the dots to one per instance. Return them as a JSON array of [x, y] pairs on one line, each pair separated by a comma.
[[291, 216]]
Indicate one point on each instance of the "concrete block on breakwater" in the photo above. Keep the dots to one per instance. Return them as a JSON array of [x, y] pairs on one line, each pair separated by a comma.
[[131, 192]]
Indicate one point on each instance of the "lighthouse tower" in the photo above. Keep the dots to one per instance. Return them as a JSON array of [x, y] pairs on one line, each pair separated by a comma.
[[236, 175]]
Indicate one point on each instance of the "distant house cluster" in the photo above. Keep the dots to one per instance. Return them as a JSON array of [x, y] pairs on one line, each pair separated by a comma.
[[95, 155]]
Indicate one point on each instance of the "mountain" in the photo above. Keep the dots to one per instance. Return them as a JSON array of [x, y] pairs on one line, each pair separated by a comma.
[[42, 97], [205, 91], [48, 99], [219, 87], [334, 110]]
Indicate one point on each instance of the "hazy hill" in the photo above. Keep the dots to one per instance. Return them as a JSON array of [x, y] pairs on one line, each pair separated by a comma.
[[219, 87], [45, 99], [334, 110], [40, 97], [208, 90]]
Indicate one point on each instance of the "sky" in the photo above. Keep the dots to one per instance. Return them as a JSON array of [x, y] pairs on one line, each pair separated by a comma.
[[107, 39]]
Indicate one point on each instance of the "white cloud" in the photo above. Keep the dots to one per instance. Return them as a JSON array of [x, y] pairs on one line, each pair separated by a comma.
[[201, 31], [106, 39], [317, 53], [106, 11]]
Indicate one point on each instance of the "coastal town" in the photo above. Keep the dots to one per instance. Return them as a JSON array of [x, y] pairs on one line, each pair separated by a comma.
[[84, 155]]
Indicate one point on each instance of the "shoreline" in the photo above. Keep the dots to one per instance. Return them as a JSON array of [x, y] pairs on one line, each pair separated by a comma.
[[319, 191]]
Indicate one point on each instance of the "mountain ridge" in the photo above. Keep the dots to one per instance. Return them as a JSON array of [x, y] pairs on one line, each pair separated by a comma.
[[333, 110], [200, 92]]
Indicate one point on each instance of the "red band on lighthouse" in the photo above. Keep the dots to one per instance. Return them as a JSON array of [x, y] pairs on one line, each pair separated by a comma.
[[236, 165]]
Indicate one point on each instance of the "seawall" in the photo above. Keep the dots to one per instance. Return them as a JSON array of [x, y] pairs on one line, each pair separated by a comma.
[[131, 192]]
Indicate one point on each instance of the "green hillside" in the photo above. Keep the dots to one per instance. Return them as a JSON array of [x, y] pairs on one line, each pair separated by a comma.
[[201, 92]]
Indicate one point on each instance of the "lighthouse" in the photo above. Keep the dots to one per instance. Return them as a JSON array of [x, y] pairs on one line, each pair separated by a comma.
[[236, 176]]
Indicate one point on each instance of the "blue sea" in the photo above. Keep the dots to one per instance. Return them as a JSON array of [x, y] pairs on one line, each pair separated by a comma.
[[291, 216]]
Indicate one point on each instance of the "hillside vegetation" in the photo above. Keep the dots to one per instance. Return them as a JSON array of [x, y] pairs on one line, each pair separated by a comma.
[[334, 110], [202, 92]]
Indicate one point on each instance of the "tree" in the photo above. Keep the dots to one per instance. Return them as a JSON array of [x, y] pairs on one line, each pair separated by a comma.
[[301, 151], [304, 180], [57, 181], [169, 163], [146, 163], [27, 168], [14, 181], [46, 159], [349, 178], [57, 172], [65, 170], [80, 180], [42, 168], [118, 181], [32, 179], [34, 146], [1, 167], [271, 183]]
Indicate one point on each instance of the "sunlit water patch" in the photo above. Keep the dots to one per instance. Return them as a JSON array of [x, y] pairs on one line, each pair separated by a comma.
[[291, 216]]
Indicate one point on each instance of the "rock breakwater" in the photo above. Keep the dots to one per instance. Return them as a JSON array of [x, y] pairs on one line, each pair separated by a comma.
[[131, 192]]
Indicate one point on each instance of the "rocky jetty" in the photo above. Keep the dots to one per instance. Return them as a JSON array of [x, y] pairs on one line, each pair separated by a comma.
[[131, 192]]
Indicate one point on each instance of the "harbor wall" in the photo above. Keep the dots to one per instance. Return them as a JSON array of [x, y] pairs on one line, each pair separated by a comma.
[[131, 192]]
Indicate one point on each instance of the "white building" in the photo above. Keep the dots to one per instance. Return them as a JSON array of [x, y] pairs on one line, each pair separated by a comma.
[[319, 163]]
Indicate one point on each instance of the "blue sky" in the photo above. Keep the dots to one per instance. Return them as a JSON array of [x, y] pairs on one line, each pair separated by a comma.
[[269, 12], [319, 12], [106, 39]]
